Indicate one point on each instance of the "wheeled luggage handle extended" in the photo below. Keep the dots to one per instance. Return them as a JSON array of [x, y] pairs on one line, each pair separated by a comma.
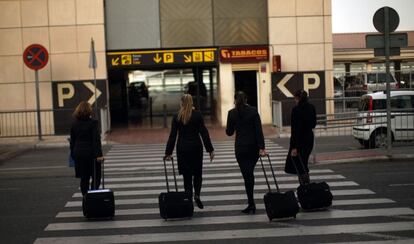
[[102, 173], [273, 173], [166, 174], [296, 168]]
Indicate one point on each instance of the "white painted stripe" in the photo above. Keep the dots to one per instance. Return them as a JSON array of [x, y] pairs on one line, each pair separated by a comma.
[[219, 150], [142, 211], [209, 171], [218, 143], [159, 157], [400, 241], [32, 168], [233, 234], [216, 162], [216, 181], [217, 153], [205, 166], [405, 184], [208, 176], [218, 189], [117, 224], [228, 197]]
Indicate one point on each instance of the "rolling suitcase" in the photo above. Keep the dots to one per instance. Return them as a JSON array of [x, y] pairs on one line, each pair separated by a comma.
[[99, 203], [176, 204], [313, 196], [278, 204]]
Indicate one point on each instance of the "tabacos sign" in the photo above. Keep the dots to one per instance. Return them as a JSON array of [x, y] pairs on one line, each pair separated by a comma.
[[244, 54]]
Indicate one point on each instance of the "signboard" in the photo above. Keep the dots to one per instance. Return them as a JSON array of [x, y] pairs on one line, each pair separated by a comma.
[[379, 20], [162, 58], [245, 54], [35, 56], [284, 85], [377, 40], [68, 94]]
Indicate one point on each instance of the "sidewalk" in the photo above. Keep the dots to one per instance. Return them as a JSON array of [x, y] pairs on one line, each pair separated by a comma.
[[10, 147]]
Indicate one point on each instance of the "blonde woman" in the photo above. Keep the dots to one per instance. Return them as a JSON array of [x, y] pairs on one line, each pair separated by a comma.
[[189, 125]]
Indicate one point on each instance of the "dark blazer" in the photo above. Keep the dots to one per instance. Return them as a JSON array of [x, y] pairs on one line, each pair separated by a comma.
[[303, 120], [189, 144], [85, 145], [247, 126]]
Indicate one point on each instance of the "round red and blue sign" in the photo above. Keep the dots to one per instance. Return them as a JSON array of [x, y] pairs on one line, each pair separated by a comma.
[[35, 56]]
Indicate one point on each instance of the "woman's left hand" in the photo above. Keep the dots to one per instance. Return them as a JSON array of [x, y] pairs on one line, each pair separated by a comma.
[[294, 152], [211, 156]]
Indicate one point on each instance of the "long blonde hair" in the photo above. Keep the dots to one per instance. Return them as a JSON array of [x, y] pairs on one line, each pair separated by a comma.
[[186, 108]]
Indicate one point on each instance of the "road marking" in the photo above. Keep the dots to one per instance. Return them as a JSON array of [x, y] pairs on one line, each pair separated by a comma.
[[33, 168], [143, 162], [229, 197], [280, 175], [403, 184], [216, 181], [217, 189], [230, 234], [401, 241], [143, 211]]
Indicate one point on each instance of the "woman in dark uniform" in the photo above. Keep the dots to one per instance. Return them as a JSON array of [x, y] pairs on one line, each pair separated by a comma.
[[303, 120], [85, 147], [189, 125], [245, 121]]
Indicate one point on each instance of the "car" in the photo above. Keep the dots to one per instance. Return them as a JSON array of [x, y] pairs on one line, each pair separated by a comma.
[[377, 82], [371, 125]]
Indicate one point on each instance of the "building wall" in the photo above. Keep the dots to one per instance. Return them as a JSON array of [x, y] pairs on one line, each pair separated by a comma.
[[64, 28], [300, 31]]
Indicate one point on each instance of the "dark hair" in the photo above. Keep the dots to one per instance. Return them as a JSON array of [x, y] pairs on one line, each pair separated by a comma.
[[240, 101], [83, 111], [302, 95]]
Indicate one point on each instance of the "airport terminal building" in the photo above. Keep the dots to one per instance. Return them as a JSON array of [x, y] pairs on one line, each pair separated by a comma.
[[151, 52]]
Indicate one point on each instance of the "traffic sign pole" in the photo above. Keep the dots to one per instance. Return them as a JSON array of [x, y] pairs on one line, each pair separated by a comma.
[[387, 76], [39, 121]]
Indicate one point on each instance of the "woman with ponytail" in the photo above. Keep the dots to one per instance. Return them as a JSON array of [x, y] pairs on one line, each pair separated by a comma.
[[189, 125], [249, 145]]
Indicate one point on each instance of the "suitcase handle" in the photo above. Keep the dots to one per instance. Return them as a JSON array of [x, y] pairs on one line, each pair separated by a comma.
[[273, 173], [296, 168], [166, 174], [102, 173]]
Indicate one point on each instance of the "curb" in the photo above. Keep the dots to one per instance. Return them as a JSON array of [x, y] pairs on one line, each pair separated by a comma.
[[398, 157]]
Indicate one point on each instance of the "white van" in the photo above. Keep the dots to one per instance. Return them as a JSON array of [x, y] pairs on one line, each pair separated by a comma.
[[371, 127]]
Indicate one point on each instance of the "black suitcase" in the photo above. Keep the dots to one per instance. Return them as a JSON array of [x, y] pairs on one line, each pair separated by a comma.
[[313, 196], [176, 204], [99, 203], [278, 204]]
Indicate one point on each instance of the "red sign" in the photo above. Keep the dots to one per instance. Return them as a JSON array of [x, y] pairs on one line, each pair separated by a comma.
[[277, 65], [245, 54], [35, 56]]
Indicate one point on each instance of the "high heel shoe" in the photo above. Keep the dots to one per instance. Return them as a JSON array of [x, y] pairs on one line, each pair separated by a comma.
[[198, 202], [250, 208]]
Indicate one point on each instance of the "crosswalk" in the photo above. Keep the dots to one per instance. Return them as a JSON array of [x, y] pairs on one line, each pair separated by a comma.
[[136, 174]]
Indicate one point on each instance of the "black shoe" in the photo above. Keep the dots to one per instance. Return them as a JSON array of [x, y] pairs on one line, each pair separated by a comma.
[[250, 208], [198, 202]]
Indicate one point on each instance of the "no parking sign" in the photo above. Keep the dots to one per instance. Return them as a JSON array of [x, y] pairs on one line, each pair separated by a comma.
[[35, 56]]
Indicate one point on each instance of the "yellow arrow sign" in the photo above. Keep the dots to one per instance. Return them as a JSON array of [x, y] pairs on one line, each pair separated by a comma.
[[157, 58], [187, 58], [115, 61]]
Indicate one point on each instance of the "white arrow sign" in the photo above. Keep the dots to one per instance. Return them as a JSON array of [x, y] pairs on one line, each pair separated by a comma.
[[281, 85], [92, 88]]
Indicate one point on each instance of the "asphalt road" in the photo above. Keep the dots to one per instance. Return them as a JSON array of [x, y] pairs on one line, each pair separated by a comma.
[[36, 185]]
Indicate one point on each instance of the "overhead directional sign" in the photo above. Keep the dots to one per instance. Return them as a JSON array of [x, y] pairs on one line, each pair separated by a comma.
[[68, 94], [285, 84], [162, 58], [377, 40]]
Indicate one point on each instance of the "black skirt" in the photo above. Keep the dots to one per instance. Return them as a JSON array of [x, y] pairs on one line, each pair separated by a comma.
[[190, 161]]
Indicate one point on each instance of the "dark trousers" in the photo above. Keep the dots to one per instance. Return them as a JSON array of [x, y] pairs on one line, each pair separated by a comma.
[[84, 182], [247, 162], [193, 179]]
